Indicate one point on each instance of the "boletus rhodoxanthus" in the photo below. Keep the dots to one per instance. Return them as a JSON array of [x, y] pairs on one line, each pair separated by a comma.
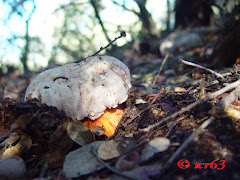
[[90, 90]]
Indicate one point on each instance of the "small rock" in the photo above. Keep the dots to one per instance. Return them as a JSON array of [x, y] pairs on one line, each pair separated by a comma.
[[180, 41], [12, 167]]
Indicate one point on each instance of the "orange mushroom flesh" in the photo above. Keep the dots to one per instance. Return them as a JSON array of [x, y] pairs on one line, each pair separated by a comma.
[[109, 120]]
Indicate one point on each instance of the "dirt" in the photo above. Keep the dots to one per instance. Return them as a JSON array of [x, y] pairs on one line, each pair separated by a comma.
[[213, 154]]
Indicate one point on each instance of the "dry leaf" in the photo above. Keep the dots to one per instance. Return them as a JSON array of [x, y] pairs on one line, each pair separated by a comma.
[[108, 150], [60, 138], [79, 133], [10, 152], [140, 101], [12, 168], [16, 145], [81, 161], [179, 90], [98, 131], [154, 146]]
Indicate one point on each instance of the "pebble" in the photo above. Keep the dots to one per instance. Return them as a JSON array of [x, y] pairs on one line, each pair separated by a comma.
[[12, 168]]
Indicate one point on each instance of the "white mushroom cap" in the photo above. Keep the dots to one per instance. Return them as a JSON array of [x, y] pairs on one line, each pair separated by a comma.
[[83, 89]]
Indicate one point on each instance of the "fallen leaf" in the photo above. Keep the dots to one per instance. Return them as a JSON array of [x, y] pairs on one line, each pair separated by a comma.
[[82, 161], [16, 145], [98, 131], [10, 152], [12, 168], [108, 150], [140, 101], [60, 138], [179, 90], [154, 146], [79, 133]]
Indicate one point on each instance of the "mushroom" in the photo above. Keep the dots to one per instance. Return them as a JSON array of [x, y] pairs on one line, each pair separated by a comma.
[[85, 89]]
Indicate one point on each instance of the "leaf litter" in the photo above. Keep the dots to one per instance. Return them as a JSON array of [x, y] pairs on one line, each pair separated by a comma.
[[199, 116]]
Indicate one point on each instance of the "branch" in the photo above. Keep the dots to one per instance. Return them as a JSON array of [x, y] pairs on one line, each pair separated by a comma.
[[123, 34], [110, 168], [160, 69], [70, 4], [191, 106], [96, 10], [201, 67], [186, 143], [124, 7]]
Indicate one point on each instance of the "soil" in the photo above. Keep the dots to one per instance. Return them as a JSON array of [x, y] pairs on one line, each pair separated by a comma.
[[212, 154]]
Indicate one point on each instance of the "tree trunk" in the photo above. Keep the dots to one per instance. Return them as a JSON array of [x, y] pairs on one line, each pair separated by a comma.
[[192, 13], [146, 18], [25, 52], [168, 16], [227, 48]]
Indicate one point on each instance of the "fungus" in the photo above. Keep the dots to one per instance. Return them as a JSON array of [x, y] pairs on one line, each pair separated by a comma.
[[85, 89]]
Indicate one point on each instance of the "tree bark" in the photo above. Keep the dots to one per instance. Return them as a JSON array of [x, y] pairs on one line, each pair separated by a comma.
[[27, 39], [227, 47], [192, 13], [168, 16], [146, 18]]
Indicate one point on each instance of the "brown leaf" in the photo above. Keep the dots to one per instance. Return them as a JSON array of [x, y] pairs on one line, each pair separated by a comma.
[[108, 150], [154, 146], [79, 133], [98, 131]]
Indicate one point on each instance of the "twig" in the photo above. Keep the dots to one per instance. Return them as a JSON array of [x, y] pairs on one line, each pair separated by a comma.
[[173, 125], [186, 143], [229, 99], [124, 7], [201, 67], [143, 111], [140, 113], [160, 69], [123, 34], [110, 168], [223, 107], [189, 107]]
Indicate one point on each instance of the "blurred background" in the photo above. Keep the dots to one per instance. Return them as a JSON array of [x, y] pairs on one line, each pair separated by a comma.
[[36, 34]]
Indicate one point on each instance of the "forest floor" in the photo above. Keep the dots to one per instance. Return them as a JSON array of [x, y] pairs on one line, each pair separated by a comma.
[[196, 110]]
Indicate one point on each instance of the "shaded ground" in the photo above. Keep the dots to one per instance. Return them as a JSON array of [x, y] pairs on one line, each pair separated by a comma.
[[176, 87]]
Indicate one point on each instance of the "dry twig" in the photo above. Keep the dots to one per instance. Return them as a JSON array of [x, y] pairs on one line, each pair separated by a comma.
[[201, 67], [186, 143], [223, 108], [160, 69], [110, 168], [143, 111], [191, 106], [122, 34]]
